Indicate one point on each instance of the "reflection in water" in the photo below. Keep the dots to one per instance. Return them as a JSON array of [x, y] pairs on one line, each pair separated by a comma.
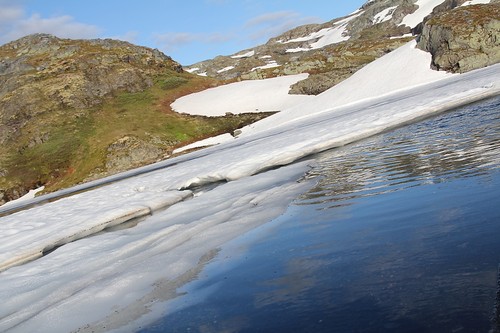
[[455, 145], [399, 235]]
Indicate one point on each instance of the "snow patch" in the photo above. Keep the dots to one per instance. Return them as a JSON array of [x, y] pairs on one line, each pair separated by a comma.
[[244, 55], [425, 7], [402, 36], [384, 15], [271, 64], [475, 2], [327, 36], [225, 69], [28, 196], [245, 96]]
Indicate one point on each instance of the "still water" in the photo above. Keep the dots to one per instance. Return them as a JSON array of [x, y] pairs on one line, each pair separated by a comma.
[[400, 234]]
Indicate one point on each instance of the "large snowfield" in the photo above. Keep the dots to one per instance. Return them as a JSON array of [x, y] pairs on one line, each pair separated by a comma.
[[118, 281]]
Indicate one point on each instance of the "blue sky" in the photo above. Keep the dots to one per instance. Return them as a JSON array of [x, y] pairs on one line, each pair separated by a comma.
[[188, 31]]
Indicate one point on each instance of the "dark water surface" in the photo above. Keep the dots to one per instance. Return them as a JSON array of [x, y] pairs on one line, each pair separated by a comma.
[[401, 234]]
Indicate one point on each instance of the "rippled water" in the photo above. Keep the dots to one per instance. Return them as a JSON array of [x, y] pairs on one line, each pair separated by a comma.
[[401, 234]]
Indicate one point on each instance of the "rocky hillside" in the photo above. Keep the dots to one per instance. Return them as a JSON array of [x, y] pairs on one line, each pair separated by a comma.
[[73, 110], [332, 51]]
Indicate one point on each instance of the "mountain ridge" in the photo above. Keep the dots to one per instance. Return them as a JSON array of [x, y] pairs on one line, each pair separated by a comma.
[[375, 29]]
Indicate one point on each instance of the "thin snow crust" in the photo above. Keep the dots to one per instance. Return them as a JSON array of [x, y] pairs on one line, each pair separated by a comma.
[[121, 280]]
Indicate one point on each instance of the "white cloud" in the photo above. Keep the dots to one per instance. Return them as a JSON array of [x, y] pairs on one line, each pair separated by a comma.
[[61, 26], [10, 14], [273, 24], [14, 24]]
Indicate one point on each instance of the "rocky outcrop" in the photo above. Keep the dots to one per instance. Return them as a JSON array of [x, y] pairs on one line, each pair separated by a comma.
[[131, 152], [463, 39]]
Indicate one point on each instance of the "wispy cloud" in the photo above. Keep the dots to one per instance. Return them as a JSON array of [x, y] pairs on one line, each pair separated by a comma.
[[273, 24], [61, 26], [14, 23], [10, 14]]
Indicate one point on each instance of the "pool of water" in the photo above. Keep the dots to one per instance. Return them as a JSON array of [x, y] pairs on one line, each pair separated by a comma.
[[400, 234]]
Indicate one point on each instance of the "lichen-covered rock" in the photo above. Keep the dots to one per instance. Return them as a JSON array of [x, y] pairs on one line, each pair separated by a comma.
[[463, 39]]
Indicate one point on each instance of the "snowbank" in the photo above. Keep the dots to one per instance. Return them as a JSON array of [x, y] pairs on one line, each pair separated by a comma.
[[425, 7], [240, 97], [403, 68]]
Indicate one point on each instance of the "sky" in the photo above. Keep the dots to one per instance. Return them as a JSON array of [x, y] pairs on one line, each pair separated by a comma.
[[188, 31]]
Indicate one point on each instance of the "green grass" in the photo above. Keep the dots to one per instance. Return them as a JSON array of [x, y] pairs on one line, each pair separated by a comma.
[[41, 163], [170, 82]]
